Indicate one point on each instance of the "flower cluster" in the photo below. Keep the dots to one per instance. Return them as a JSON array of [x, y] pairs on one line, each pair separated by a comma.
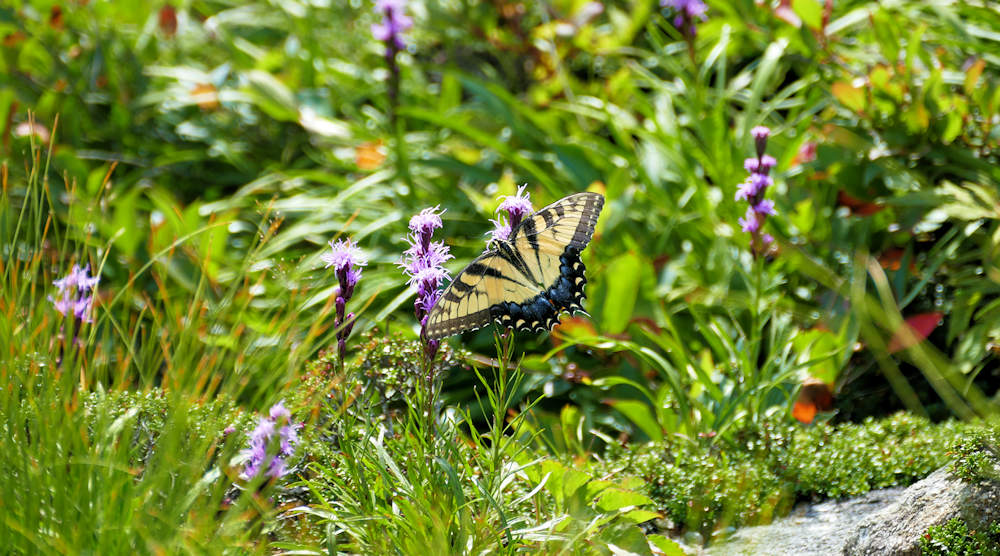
[[422, 262], [687, 12], [271, 443], [394, 23], [346, 260], [76, 294], [517, 207], [752, 190]]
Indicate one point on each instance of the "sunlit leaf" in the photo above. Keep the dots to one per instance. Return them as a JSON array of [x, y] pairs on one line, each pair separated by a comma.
[[850, 96]]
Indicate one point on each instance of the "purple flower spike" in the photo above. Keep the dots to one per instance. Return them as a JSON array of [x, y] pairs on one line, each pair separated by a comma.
[[753, 189], [279, 411], [394, 23], [346, 260], [77, 291], [343, 257], [423, 264], [517, 206], [688, 12], [271, 443]]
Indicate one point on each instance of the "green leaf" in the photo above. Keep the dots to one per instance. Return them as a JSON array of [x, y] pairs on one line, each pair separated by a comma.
[[640, 516], [640, 415], [272, 96], [623, 290], [850, 96], [884, 26], [615, 499], [668, 547], [804, 216], [810, 11]]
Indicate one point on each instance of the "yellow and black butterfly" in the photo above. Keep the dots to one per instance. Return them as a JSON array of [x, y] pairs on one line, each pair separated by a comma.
[[526, 281]]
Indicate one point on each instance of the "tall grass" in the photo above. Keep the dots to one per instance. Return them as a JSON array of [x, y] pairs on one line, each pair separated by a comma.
[[73, 478]]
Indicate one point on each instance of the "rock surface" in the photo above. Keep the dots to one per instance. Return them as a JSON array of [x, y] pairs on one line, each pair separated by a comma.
[[811, 529], [897, 528], [888, 521]]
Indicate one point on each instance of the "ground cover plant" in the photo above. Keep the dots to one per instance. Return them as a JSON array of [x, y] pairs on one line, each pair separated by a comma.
[[225, 226]]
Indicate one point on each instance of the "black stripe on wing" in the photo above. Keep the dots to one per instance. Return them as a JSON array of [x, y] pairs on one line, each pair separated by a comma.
[[587, 206]]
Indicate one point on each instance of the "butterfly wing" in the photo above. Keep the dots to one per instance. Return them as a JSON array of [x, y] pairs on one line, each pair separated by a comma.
[[526, 282], [562, 228], [469, 301]]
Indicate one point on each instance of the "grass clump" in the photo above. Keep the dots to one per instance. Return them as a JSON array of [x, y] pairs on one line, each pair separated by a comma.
[[706, 487], [955, 539]]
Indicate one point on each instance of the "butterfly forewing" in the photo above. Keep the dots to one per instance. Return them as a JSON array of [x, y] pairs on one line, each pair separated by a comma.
[[465, 304], [570, 221], [545, 236]]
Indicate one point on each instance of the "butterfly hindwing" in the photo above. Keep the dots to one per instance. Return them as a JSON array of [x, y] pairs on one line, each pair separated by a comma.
[[528, 281]]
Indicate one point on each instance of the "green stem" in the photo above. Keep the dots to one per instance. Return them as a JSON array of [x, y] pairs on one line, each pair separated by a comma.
[[397, 124], [755, 326]]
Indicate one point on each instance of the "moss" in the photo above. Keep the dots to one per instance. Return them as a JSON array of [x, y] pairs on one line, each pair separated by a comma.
[[955, 539], [707, 487], [977, 456], [145, 415]]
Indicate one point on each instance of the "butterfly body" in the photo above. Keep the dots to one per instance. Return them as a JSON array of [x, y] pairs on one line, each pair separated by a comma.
[[527, 281]]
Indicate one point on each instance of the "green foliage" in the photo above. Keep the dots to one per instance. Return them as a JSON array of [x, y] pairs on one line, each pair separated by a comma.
[[977, 456], [383, 485], [955, 539], [708, 487], [200, 156], [117, 426]]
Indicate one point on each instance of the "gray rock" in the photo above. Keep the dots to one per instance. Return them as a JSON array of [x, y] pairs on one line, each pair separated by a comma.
[[811, 529], [897, 529]]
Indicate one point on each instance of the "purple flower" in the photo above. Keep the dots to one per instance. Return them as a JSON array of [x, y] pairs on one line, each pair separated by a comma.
[[279, 411], [345, 258], [750, 223], [687, 12], [765, 207], [422, 263], [423, 224], [753, 189], [745, 190], [270, 443], [517, 207], [77, 291], [760, 135], [394, 22], [501, 229], [753, 186]]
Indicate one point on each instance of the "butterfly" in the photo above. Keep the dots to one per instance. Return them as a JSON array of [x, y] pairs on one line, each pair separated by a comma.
[[527, 281]]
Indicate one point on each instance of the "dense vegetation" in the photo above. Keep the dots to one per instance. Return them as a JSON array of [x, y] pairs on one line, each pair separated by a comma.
[[207, 278]]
